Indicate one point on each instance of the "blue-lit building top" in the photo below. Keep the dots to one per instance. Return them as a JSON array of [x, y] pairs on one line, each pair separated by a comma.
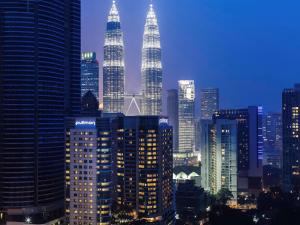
[[89, 74]]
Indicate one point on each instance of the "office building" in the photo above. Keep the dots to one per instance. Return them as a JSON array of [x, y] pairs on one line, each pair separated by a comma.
[[291, 140], [39, 85], [272, 133], [186, 115], [144, 168], [172, 112], [151, 67], [113, 64], [249, 147], [89, 74], [209, 102]]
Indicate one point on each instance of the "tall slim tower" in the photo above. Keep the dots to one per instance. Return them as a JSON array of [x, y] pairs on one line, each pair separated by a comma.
[[89, 74], [151, 67], [186, 114], [113, 65]]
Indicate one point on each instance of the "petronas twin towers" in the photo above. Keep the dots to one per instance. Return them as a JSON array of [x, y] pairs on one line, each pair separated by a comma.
[[114, 66]]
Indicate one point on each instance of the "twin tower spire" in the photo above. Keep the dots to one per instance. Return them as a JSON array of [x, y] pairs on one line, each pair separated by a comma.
[[114, 66]]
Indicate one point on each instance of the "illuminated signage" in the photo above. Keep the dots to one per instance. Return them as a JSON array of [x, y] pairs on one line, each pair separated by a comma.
[[163, 121], [85, 123]]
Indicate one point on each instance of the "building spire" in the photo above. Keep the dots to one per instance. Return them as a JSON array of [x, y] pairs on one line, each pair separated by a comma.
[[151, 66], [114, 13]]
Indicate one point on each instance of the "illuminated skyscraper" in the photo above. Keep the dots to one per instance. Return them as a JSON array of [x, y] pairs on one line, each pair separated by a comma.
[[88, 166], [186, 114], [89, 74], [291, 137], [219, 156], [151, 67], [144, 168], [113, 65], [209, 102]]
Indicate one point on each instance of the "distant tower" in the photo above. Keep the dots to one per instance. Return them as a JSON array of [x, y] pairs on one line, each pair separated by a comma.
[[209, 102], [151, 67], [89, 74], [113, 65], [172, 112], [186, 114]]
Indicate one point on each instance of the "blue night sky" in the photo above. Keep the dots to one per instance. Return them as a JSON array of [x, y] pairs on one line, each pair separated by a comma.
[[250, 49]]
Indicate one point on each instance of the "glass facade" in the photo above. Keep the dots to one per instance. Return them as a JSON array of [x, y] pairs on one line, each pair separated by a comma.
[[151, 67], [113, 65], [209, 102], [89, 74], [39, 85], [186, 114], [250, 146], [172, 112]]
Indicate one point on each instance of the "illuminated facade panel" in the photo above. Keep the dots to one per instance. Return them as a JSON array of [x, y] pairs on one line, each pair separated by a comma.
[[186, 115], [113, 64], [151, 68]]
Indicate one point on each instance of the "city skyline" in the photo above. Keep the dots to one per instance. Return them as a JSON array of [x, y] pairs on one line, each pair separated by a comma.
[[222, 58]]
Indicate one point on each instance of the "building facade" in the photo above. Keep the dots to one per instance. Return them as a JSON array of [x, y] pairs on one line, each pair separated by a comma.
[[39, 85], [209, 102], [113, 64], [144, 168], [88, 171], [152, 80], [172, 112], [221, 162], [272, 133], [291, 140], [249, 147], [89, 74], [186, 115]]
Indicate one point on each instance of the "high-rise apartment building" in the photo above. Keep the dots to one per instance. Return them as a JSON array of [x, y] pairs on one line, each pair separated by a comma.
[[172, 112], [151, 70], [249, 147], [89, 171], [113, 64], [144, 168], [209, 102], [39, 85], [220, 166], [89, 74], [291, 138], [186, 115]]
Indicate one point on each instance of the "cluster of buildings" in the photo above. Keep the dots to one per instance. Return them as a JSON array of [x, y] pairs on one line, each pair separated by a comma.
[[64, 161]]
